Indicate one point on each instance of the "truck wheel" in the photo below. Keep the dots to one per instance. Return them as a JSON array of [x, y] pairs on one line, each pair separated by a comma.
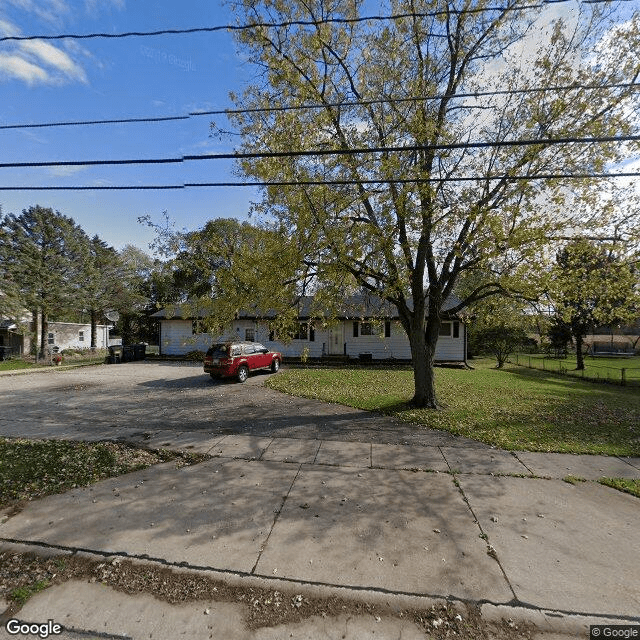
[[275, 365]]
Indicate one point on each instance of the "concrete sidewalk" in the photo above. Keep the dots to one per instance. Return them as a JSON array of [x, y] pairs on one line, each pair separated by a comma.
[[400, 523]]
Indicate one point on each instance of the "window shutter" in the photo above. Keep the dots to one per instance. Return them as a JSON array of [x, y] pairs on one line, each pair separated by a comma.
[[355, 329], [312, 333], [456, 329], [387, 329]]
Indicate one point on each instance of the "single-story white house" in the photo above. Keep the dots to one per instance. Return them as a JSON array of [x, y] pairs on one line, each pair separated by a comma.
[[75, 335], [366, 328], [17, 339]]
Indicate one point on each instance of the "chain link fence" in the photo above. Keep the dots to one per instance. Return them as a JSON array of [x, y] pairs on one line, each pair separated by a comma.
[[627, 373]]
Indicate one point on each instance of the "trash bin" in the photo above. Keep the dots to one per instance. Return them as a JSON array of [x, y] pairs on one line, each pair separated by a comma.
[[140, 351], [128, 353], [115, 355]]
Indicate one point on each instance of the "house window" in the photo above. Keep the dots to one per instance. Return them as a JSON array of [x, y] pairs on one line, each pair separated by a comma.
[[366, 329], [196, 327], [387, 329], [81, 336], [250, 334], [445, 330], [302, 332], [51, 338]]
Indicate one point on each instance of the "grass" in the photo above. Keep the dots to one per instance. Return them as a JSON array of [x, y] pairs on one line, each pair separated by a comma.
[[31, 469], [622, 484], [22, 594], [10, 365], [594, 368], [514, 408]]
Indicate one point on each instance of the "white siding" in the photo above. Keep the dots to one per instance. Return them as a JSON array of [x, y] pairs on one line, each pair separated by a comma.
[[315, 348], [177, 339], [451, 349], [66, 335], [397, 345], [394, 347]]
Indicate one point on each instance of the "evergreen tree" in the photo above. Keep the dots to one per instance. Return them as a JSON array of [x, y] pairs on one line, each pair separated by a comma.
[[44, 257]]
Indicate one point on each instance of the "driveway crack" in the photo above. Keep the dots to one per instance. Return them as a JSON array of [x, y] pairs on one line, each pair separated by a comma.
[[263, 546], [490, 549]]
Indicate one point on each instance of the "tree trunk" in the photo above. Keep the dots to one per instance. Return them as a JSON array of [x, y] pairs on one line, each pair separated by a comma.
[[579, 358], [423, 349], [94, 332], [44, 335]]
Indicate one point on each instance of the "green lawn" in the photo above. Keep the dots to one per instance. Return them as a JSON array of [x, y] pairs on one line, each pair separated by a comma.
[[513, 408], [10, 365], [16, 364], [595, 368]]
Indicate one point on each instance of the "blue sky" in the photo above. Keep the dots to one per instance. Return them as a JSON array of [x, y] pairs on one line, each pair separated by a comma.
[[62, 80], [66, 80]]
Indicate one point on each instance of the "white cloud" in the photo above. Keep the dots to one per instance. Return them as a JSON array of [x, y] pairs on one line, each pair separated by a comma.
[[37, 61], [15, 67], [51, 56], [92, 7], [64, 172], [8, 29], [51, 11]]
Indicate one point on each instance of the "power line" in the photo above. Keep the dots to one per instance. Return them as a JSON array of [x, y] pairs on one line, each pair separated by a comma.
[[346, 103], [293, 23], [322, 152], [303, 183], [471, 94], [91, 122]]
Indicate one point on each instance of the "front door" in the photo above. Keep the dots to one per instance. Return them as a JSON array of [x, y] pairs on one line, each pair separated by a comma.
[[336, 340]]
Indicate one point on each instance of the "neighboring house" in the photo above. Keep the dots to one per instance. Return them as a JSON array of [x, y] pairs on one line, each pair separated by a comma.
[[12, 339], [365, 328], [75, 335], [16, 334], [16, 339]]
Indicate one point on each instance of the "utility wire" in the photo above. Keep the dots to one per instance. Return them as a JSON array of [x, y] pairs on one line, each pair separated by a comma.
[[73, 123], [322, 152], [476, 94], [303, 183], [294, 23], [348, 103]]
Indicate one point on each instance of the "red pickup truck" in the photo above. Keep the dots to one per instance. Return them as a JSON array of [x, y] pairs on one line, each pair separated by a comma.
[[237, 359]]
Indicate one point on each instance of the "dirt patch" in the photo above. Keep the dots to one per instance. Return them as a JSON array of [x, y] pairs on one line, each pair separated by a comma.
[[23, 575]]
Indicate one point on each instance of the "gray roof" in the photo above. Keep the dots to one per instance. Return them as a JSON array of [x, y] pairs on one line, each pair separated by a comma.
[[7, 324], [356, 306]]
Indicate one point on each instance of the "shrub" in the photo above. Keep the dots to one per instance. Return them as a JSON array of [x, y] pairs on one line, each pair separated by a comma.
[[195, 355]]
